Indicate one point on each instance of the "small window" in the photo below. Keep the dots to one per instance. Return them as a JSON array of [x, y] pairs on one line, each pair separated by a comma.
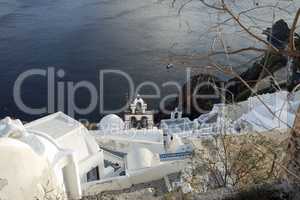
[[93, 175]]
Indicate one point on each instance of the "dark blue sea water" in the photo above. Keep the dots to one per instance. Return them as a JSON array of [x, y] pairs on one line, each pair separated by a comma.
[[85, 36]]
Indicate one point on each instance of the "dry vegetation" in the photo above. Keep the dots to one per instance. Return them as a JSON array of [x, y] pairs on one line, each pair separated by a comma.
[[238, 161]]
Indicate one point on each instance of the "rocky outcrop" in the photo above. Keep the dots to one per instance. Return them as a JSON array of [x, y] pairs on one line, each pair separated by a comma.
[[260, 69], [278, 35], [195, 98], [237, 90], [203, 85]]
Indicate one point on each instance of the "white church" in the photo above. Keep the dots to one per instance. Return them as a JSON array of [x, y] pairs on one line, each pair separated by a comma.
[[57, 157]]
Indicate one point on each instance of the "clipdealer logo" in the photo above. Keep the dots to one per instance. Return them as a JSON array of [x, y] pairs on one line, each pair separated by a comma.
[[59, 92]]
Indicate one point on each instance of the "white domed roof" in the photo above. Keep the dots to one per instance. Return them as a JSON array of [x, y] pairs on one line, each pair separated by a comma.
[[111, 122], [139, 158], [23, 173]]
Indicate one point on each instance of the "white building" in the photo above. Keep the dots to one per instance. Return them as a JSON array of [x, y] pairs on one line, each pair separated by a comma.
[[177, 126], [112, 123], [58, 154], [262, 113], [157, 140], [63, 147]]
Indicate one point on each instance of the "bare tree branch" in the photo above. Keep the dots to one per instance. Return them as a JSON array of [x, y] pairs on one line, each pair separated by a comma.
[[237, 20], [292, 32]]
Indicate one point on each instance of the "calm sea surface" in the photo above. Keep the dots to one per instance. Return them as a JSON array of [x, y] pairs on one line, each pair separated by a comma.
[[83, 37]]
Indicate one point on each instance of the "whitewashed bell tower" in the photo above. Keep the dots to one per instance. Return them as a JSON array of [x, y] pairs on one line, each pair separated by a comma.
[[138, 116]]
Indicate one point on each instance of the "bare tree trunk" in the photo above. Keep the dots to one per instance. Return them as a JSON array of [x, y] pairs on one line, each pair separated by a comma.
[[293, 153]]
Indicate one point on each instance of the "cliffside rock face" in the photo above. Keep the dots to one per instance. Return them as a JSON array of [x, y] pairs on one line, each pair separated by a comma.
[[261, 69], [203, 90], [279, 33], [196, 98], [200, 94]]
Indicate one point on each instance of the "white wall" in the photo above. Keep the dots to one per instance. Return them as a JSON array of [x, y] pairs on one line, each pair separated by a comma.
[[133, 177]]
